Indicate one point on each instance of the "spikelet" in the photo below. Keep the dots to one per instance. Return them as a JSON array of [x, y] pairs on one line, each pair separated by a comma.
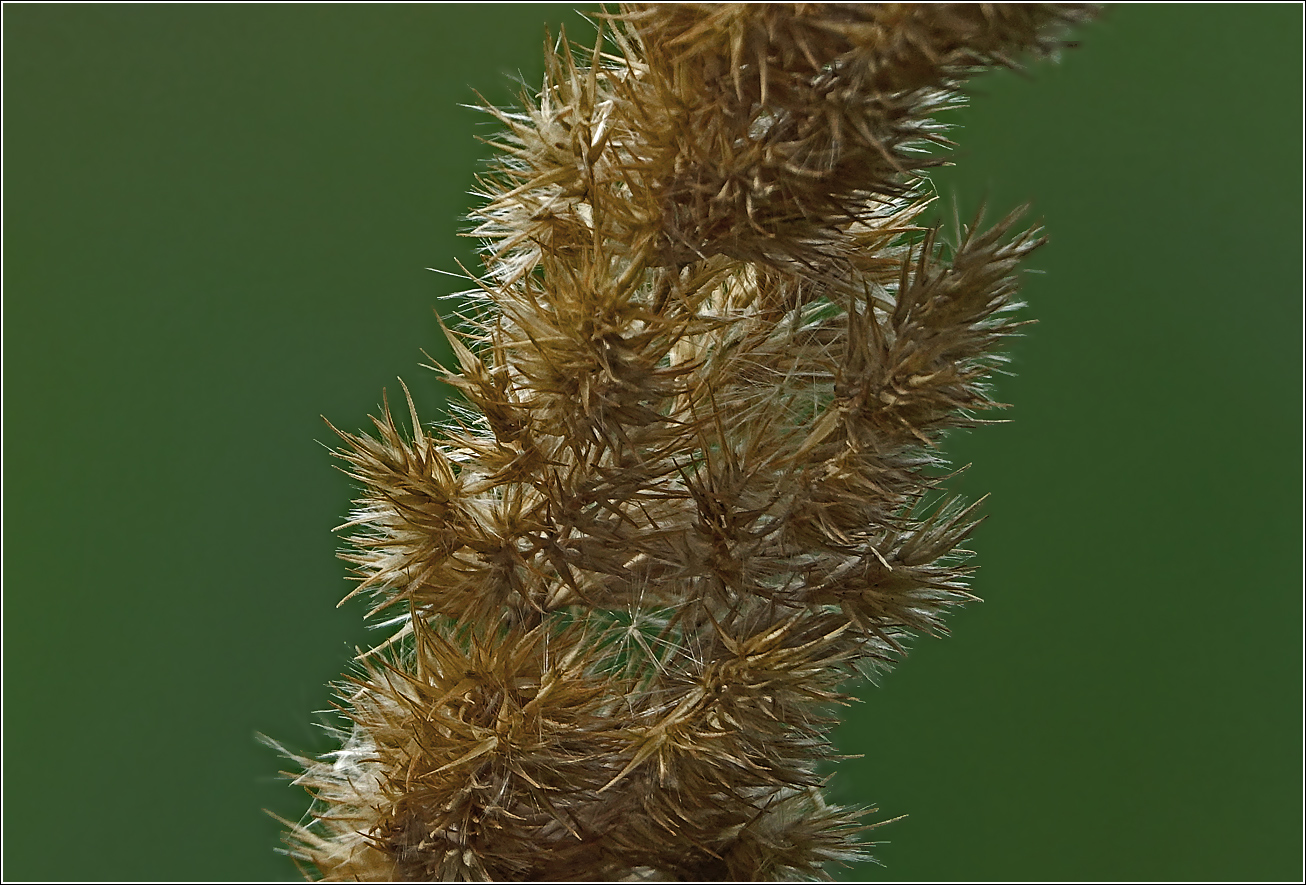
[[706, 371]]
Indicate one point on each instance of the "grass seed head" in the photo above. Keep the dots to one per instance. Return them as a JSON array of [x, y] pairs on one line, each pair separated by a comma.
[[689, 497]]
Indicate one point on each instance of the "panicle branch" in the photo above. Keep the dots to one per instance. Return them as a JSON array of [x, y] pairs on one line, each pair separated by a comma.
[[707, 369]]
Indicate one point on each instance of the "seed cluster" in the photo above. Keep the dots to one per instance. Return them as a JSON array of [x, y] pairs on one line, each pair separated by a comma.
[[688, 496]]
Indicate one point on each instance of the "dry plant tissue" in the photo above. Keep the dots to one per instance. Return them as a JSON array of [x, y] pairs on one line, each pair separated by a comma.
[[694, 491]]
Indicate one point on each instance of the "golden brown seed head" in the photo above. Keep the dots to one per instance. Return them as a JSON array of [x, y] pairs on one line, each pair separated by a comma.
[[707, 370]]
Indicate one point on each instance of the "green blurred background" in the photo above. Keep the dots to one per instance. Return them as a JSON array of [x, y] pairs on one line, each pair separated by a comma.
[[217, 220]]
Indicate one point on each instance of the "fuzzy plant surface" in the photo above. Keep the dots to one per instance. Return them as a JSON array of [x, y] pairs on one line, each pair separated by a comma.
[[694, 491]]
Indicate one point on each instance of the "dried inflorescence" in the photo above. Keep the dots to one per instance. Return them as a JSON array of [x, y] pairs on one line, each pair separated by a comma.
[[707, 367]]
